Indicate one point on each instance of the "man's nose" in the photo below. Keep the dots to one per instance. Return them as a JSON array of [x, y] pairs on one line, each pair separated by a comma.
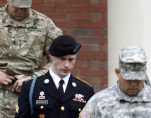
[[66, 63]]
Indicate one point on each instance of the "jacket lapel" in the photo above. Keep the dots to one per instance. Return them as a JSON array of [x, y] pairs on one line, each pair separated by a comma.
[[49, 87], [51, 90], [71, 89]]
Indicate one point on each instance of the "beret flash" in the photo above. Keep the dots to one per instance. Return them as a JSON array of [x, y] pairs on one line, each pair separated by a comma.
[[64, 45]]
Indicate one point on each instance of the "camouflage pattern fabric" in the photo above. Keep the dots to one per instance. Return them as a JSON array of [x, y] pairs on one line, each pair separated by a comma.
[[132, 61], [132, 54], [8, 104], [22, 3], [134, 71], [23, 45], [23, 49], [113, 103]]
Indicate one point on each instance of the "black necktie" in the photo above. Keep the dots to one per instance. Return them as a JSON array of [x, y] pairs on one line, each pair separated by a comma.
[[60, 89]]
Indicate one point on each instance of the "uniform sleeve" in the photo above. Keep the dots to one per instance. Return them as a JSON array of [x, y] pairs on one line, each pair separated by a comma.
[[89, 109], [52, 32], [23, 108]]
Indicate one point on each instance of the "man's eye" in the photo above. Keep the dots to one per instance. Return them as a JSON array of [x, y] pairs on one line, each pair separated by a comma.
[[70, 59]]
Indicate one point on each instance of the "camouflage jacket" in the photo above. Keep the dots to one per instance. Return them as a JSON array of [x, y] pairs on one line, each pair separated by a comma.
[[24, 44], [113, 103]]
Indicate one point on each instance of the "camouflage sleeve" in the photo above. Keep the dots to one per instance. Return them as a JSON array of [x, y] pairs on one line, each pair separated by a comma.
[[89, 109], [52, 32]]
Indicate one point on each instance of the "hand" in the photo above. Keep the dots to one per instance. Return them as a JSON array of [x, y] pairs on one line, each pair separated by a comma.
[[17, 85], [6, 79]]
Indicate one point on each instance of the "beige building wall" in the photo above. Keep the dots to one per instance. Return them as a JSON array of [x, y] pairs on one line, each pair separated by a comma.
[[129, 23]]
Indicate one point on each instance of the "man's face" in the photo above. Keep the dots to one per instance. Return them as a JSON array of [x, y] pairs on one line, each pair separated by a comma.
[[129, 87], [62, 66], [17, 13]]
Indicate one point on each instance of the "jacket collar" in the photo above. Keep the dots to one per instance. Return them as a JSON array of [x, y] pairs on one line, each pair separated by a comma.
[[51, 89]]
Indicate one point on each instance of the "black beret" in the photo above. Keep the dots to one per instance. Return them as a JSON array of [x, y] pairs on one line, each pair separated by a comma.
[[64, 45]]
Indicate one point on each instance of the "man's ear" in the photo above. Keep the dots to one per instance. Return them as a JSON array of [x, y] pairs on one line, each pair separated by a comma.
[[117, 72]]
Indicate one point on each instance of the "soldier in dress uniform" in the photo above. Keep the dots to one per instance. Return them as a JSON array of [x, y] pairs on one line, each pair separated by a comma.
[[130, 97], [56, 94], [25, 35]]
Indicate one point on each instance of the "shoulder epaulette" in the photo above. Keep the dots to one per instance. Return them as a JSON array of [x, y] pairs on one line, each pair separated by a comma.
[[83, 81]]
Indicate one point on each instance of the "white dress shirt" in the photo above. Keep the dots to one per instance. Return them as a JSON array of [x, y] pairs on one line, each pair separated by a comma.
[[57, 79]]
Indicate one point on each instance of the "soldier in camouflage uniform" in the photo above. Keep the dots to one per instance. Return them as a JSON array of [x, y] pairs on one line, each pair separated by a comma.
[[130, 97], [25, 35]]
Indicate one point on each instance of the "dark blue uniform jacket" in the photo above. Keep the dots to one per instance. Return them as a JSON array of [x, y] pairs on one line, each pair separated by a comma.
[[46, 101]]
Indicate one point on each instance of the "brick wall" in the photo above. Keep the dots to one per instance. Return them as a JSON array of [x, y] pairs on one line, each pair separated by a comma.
[[87, 21]]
